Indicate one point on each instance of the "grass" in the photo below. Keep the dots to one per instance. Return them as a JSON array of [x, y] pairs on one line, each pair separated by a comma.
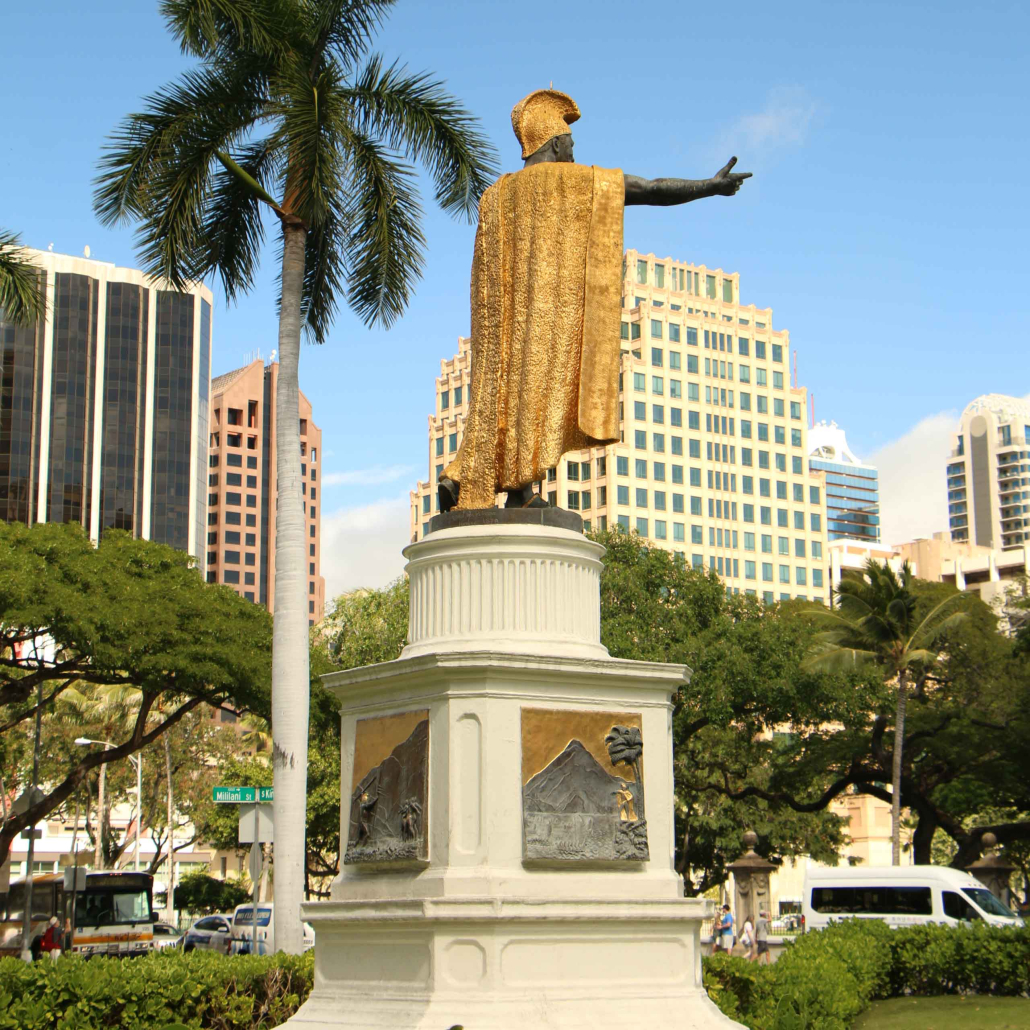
[[948, 1013]]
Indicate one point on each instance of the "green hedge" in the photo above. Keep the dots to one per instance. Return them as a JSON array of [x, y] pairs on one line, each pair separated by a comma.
[[200, 990], [825, 979]]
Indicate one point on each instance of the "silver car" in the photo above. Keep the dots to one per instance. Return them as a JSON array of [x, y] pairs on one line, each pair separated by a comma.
[[212, 933], [166, 936]]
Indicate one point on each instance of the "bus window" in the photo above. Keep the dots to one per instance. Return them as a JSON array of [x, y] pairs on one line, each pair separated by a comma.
[[42, 901], [881, 901], [956, 906]]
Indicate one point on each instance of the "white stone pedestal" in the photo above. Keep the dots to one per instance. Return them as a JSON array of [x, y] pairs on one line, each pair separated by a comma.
[[505, 620]]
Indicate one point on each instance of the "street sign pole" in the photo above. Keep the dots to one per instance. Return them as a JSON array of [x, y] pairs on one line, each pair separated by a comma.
[[255, 879]]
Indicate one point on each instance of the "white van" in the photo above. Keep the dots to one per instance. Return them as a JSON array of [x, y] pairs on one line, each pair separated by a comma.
[[243, 930], [900, 896]]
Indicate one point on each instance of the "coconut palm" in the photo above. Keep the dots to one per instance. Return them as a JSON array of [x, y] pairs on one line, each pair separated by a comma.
[[874, 623], [625, 745], [21, 300], [288, 115]]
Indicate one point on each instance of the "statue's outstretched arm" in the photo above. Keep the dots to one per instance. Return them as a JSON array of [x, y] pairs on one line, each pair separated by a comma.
[[666, 192]]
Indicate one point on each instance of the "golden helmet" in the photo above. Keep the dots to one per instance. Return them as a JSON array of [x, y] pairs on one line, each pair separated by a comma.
[[541, 116]]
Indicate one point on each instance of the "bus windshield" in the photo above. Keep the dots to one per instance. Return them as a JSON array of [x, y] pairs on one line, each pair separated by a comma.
[[113, 907], [988, 902]]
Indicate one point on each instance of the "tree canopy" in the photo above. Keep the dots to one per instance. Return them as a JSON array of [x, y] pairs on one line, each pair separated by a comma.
[[128, 614]]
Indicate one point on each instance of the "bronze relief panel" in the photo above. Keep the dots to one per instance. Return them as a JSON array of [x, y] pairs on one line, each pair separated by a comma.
[[389, 790], [582, 786]]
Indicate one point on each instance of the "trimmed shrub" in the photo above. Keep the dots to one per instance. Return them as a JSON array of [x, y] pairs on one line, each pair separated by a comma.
[[826, 978], [979, 959], [201, 991]]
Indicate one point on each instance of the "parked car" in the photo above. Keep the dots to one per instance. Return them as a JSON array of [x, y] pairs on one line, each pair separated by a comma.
[[212, 933], [166, 936], [243, 930]]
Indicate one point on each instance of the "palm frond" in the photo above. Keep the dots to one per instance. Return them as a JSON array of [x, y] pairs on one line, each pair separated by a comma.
[[830, 656], [325, 271], [22, 301], [221, 28], [233, 230], [417, 117], [345, 27], [158, 165], [940, 621], [385, 248]]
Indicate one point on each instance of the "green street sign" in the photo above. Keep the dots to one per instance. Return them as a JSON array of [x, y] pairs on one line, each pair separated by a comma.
[[240, 795]]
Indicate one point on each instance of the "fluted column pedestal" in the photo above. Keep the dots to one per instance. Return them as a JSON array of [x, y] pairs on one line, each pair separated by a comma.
[[507, 807]]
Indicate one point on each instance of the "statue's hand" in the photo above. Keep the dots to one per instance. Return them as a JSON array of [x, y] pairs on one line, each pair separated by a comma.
[[725, 182]]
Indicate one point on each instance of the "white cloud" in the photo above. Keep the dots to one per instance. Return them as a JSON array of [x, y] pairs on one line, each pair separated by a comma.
[[785, 121], [361, 546], [913, 498], [368, 477]]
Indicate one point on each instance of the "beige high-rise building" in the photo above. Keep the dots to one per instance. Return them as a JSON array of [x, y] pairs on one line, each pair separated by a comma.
[[242, 495], [713, 458], [988, 473]]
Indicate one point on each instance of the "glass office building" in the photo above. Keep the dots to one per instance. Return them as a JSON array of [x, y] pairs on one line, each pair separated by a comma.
[[104, 405], [852, 487]]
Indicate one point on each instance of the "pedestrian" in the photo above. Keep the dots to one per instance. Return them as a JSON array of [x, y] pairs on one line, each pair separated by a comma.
[[726, 929], [762, 938], [51, 942], [747, 939]]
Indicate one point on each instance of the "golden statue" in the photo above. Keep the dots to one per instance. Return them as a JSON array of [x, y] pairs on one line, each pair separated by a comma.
[[546, 300]]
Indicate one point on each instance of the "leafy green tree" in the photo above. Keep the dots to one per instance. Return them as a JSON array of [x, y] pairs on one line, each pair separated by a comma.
[[21, 299], [288, 115], [126, 614], [200, 893], [874, 622]]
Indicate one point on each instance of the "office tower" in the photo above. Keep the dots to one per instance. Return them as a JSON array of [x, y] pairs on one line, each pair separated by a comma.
[[712, 463], [852, 487], [104, 404], [988, 473], [242, 497]]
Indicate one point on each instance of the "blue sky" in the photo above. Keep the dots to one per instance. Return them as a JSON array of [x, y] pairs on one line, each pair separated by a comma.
[[886, 223]]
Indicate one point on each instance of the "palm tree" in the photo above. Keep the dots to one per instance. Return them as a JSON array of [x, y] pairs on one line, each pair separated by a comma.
[[288, 114], [21, 300], [874, 623], [625, 745]]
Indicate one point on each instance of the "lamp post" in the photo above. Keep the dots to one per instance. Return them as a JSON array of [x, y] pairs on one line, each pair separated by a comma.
[[137, 761]]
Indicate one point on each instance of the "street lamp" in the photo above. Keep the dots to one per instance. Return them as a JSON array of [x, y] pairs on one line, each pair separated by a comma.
[[137, 761]]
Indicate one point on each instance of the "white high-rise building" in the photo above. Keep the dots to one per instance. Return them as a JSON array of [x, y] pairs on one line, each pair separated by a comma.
[[988, 473]]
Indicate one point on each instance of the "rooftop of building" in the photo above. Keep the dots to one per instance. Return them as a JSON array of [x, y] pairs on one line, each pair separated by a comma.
[[828, 442], [226, 379], [1001, 405]]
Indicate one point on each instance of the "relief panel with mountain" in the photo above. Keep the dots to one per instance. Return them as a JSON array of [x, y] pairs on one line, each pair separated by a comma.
[[389, 796], [582, 786]]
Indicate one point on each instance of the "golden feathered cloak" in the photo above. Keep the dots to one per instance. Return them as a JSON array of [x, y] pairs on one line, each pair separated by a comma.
[[546, 282]]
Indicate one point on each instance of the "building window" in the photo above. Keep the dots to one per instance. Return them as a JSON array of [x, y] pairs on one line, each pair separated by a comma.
[[642, 272], [573, 500], [622, 495], [656, 334], [642, 527], [727, 291], [656, 352]]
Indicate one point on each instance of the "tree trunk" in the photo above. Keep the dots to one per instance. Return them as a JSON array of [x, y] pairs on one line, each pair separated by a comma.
[[899, 743], [171, 835], [638, 773], [922, 839], [290, 676], [98, 854]]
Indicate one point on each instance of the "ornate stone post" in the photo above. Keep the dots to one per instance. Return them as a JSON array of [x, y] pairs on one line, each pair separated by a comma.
[[751, 882], [993, 872]]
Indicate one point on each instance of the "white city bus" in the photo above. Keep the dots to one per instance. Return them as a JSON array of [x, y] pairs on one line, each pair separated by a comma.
[[112, 915], [900, 896]]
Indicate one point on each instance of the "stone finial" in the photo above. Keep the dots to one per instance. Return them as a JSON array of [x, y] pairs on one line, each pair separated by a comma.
[[750, 840], [989, 841]]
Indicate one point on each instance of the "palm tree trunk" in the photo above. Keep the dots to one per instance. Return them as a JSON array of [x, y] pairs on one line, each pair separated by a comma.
[[170, 904], [899, 743], [98, 854], [290, 677], [638, 773]]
